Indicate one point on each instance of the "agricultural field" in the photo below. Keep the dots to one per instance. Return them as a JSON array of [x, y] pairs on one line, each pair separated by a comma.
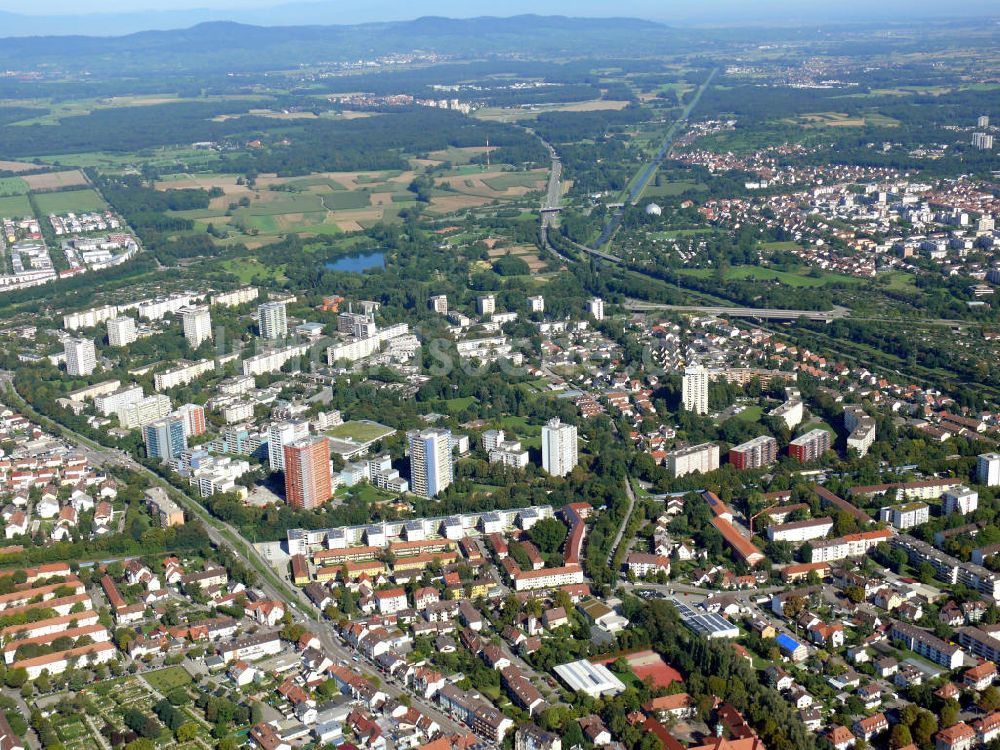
[[15, 206], [841, 120], [323, 203], [457, 156], [75, 201], [166, 157], [326, 203], [527, 253], [473, 188], [16, 166], [55, 180], [13, 186]]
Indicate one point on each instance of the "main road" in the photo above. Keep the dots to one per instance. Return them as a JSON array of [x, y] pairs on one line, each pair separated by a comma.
[[638, 184]]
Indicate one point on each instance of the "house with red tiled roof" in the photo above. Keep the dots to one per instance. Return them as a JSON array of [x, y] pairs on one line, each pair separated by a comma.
[[947, 691], [677, 706], [841, 737], [980, 677], [266, 612], [956, 737], [267, 738], [8, 740], [987, 728], [870, 726]]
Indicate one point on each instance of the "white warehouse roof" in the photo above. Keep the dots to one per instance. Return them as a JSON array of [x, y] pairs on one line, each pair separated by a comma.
[[593, 679]]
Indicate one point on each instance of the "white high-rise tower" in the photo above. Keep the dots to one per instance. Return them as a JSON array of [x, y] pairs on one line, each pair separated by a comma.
[[273, 322], [278, 436], [81, 356], [694, 392], [559, 449], [431, 466], [197, 324]]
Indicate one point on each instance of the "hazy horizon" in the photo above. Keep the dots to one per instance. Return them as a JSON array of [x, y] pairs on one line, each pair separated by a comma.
[[704, 11]]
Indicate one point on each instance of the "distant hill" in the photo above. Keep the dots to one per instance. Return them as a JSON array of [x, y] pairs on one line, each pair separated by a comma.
[[347, 12], [219, 46]]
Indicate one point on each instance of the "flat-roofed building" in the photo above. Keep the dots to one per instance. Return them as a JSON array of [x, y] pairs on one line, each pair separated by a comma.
[[594, 680], [801, 531], [906, 515], [701, 458], [122, 331], [754, 454], [960, 500], [810, 446]]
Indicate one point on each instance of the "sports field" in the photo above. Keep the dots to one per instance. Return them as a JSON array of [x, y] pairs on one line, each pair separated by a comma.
[[649, 664]]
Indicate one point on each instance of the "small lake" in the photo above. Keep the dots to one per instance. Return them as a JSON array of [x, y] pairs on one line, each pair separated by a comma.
[[358, 263]]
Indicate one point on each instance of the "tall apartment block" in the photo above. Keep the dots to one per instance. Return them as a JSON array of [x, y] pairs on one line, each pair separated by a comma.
[[988, 469], [81, 356], [197, 324], [701, 458], [278, 436], [694, 389], [810, 446], [122, 331], [559, 448], [431, 466], [487, 304], [165, 438], [754, 454], [193, 416], [596, 308], [308, 482], [982, 141], [272, 320]]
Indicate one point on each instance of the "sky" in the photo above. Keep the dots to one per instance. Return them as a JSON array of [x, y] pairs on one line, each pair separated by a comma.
[[684, 11]]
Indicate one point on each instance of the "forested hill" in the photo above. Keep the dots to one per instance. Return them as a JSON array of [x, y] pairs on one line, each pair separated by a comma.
[[226, 47]]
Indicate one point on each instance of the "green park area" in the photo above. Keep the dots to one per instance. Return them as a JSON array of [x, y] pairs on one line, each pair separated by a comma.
[[804, 278], [360, 431]]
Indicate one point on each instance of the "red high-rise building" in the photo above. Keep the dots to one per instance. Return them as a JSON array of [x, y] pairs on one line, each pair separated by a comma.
[[194, 419], [307, 472], [810, 446], [754, 454]]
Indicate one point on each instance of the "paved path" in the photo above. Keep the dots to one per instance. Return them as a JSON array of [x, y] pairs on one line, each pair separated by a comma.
[[625, 521]]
